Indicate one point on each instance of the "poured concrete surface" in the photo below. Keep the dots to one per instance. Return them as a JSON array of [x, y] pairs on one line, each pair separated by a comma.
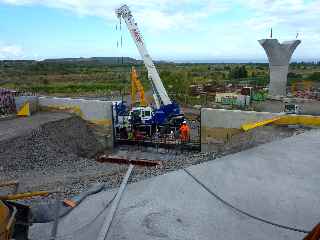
[[172, 206], [278, 182], [176, 207]]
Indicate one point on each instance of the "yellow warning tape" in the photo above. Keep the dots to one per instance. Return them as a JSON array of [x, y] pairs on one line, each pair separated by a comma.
[[249, 126]]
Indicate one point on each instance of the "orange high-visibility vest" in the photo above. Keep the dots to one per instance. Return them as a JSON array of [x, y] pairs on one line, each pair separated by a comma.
[[184, 132]]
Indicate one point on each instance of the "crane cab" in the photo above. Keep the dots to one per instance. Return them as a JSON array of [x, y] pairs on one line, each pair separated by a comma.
[[292, 109], [141, 115]]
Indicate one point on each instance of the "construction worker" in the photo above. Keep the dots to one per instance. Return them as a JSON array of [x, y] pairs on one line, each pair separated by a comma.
[[184, 132], [314, 234]]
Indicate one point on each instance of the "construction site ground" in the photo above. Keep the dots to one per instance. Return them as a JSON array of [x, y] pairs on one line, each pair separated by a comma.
[[267, 192], [50, 151]]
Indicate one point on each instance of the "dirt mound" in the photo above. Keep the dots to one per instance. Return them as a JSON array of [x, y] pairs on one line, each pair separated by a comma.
[[49, 145]]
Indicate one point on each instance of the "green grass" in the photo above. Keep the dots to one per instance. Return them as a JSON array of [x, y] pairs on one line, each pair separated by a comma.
[[101, 79], [70, 88]]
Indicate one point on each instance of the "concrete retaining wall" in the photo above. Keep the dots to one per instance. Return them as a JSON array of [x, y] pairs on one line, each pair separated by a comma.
[[221, 118], [95, 111], [219, 125], [32, 100]]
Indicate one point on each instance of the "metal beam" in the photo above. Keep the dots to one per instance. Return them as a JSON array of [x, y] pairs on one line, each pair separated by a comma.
[[140, 162], [108, 220]]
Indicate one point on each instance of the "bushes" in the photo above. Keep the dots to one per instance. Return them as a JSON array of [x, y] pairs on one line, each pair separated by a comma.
[[314, 76], [238, 72], [72, 88]]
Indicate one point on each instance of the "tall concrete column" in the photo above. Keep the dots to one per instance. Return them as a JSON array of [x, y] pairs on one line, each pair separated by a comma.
[[279, 55]]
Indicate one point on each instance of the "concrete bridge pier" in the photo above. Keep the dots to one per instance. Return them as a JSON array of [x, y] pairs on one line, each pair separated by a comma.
[[279, 55]]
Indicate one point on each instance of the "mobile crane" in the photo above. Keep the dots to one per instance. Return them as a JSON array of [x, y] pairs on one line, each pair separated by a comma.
[[166, 115]]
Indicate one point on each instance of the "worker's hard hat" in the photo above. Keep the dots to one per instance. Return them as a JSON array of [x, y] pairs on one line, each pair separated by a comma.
[[184, 122]]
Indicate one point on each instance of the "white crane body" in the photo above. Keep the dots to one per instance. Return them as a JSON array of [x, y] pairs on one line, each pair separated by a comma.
[[159, 92]]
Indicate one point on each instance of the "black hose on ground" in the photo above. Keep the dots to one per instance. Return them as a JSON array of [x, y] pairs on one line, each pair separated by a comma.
[[44, 213], [89, 223], [241, 211]]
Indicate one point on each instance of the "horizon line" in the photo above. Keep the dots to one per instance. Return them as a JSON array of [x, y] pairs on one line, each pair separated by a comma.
[[214, 60]]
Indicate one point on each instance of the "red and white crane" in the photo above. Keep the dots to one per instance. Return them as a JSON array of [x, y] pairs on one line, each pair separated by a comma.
[[159, 92]]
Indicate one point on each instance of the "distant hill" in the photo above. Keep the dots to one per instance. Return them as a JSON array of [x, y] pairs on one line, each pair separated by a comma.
[[17, 62], [81, 61], [96, 60]]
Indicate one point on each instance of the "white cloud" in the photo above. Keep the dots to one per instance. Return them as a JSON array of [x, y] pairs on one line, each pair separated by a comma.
[[154, 14], [192, 26], [295, 15], [10, 51], [161, 15], [287, 18]]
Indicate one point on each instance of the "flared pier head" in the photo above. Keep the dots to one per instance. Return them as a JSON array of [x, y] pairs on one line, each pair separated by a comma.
[[279, 55]]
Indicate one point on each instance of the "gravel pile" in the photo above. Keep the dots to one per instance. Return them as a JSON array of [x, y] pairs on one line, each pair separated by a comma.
[[53, 144], [56, 154], [175, 162]]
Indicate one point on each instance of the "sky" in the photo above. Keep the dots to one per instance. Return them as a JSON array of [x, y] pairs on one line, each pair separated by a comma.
[[174, 30]]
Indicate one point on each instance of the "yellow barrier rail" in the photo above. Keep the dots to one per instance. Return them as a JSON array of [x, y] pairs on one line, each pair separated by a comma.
[[249, 126], [285, 120]]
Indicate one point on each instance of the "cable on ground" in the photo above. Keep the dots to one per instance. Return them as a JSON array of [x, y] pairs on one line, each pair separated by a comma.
[[241, 211]]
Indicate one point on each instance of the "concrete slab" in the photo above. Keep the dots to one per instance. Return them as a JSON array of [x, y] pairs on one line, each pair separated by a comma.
[[174, 206], [16, 127], [276, 181]]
